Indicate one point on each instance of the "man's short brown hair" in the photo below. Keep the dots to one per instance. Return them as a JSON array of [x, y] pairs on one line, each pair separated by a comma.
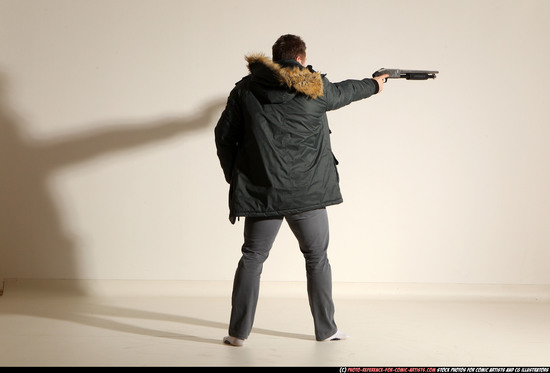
[[288, 47]]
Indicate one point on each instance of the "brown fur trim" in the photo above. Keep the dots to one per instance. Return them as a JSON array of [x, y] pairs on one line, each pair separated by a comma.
[[302, 80]]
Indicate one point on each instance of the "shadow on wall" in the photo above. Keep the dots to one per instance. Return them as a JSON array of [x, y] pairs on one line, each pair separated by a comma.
[[31, 231]]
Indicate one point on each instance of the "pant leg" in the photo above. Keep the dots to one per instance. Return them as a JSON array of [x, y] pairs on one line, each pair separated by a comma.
[[312, 231], [259, 235]]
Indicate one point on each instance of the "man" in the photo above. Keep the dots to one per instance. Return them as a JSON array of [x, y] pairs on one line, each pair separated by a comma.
[[273, 144]]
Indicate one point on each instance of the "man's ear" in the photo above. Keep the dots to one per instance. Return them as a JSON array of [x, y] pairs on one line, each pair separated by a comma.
[[301, 60]]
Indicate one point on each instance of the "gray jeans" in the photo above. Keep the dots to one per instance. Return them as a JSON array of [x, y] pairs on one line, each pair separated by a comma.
[[312, 232]]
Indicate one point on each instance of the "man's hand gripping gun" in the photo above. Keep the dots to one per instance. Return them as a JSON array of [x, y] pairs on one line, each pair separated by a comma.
[[406, 74]]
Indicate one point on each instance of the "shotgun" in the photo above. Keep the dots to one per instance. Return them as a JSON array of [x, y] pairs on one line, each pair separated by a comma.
[[406, 74]]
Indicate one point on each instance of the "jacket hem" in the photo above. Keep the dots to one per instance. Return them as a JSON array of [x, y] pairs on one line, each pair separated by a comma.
[[255, 214]]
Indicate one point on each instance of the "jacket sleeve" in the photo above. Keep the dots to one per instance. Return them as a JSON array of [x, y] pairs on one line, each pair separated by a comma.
[[344, 93], [228, 132]]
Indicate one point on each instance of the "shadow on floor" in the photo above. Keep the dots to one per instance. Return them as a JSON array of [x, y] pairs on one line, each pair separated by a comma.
[[92, 312]]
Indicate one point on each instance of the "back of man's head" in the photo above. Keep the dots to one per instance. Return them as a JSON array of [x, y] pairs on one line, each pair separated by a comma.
[[289, 47]]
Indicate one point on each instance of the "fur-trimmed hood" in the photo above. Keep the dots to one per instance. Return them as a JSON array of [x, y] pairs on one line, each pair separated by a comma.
[[298, 78]]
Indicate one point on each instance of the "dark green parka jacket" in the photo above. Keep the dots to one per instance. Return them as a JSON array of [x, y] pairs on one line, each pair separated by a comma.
[[273, 139]]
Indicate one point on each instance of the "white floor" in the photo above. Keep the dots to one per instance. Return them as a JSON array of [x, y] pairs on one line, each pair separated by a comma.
[[60, 323]]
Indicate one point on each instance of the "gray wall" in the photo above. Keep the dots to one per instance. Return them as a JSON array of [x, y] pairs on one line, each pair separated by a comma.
[[107, 159]]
